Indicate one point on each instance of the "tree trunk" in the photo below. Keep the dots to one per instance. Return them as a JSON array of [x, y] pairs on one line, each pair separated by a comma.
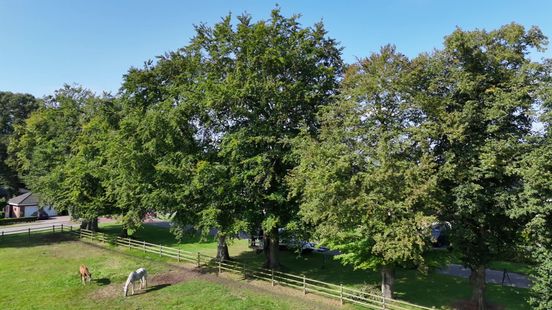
[[271, 243], [387, 281], [222, 248], [477, 280], [124, 232], [90, 224]]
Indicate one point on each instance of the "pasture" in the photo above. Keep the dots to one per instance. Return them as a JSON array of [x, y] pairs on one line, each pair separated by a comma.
[[430, 290], [41, 272]]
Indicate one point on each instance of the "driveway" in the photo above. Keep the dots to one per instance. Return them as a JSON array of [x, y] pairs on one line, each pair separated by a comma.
[[492, 276]]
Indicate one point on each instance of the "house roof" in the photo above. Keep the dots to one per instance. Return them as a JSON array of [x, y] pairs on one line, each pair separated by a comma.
[[27, 199]]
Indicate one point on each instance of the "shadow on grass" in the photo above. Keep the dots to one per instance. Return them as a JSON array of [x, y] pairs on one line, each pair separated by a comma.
[[103, 281], [156, 287], [432, 289], [34, 239], [315, 266], [158, 235]]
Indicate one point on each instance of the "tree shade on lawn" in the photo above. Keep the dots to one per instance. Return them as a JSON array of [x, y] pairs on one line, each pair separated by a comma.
[[57, 276], [431, 289]]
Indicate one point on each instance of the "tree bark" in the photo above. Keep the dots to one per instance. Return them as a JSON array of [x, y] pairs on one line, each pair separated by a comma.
[[387, 281], [90, 224], [270, 247], [477, 280], [124, 232], [222, 248]]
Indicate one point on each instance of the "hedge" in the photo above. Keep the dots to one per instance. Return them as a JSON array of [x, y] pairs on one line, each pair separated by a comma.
[[7, 221]]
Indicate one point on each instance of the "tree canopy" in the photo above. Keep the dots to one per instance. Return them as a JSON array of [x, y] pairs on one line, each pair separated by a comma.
[[14, 109], [259, 124], [366, 181], [482, 86]]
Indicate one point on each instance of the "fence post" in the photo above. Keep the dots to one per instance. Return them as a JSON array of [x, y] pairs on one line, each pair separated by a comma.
[[383, 296], [304, 285], [29, 232], [160, 250], [128, 243], [144, 246], [71, 228], [178, 255], [219, 269], [61, 227], [80, 233], [54, 228], [341, 293], [198, 260], [244, 274], [272, 276]]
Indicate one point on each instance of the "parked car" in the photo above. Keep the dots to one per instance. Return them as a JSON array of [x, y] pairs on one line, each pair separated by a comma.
[[440, 232], [290, 242]]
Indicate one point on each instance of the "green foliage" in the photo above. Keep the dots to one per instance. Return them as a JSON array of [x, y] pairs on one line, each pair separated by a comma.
[[480, 91], [541, 290], [209, 134], [205, 128], [14, 109], [57, 151], [366, 181], [535, 207], [263, 81]]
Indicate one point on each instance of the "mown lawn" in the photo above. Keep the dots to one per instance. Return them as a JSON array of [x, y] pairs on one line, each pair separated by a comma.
[[432, 289], [41, 273]]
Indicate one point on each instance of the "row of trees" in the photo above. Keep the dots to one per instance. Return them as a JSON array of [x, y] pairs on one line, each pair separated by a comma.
[[262, 125], [14, 109]]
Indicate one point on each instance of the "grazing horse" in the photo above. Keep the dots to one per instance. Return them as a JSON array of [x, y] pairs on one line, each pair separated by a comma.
[[140, 274], [85, 274]]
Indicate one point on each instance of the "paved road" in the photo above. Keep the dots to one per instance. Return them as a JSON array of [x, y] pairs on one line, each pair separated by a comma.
[[492, 276], [56, 220]]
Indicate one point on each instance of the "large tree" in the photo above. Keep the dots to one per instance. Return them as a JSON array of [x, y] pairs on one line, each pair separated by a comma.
[[14, 109], [83, 189], [481, 88], [153, 155], [366, 182], [44, 148], [264, 81], [246, 89]]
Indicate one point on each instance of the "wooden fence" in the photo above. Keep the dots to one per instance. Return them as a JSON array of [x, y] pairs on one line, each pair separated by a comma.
[[46, 228], [200, 260]]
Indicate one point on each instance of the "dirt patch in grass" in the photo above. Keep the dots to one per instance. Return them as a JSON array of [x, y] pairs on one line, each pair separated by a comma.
[[155, 282], [173, 276]]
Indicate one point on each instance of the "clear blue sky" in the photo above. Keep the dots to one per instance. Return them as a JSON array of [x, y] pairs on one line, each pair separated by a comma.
[[44, 44]]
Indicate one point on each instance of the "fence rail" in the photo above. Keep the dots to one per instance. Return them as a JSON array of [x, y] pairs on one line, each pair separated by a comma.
[[52, 228], [300, 282]]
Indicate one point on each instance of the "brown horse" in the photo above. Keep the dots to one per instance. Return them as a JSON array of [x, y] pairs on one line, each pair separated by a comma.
[[85, 274]]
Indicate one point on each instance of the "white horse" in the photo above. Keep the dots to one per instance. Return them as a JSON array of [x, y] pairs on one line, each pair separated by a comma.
[[140, 274]]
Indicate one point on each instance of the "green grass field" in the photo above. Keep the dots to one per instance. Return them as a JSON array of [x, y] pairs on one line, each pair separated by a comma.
[[430, 290], [42, 273]]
